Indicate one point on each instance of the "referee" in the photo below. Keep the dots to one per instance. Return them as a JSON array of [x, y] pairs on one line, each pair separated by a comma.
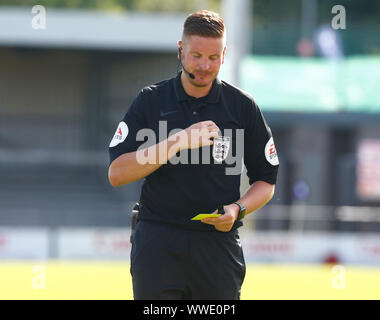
[[213, 127]]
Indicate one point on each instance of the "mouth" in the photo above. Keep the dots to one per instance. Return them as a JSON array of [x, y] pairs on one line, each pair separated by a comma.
[[203, 75]]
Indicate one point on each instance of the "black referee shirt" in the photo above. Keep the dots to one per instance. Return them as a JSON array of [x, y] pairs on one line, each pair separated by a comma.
[[196, 181]]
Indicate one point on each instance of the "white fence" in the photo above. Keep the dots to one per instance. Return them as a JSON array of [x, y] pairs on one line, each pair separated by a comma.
[[113, 243]]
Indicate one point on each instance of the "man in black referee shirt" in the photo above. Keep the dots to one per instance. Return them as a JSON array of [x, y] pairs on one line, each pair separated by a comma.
[[191, 170]]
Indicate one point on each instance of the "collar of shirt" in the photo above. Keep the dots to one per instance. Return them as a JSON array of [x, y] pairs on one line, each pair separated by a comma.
[[212, 97]]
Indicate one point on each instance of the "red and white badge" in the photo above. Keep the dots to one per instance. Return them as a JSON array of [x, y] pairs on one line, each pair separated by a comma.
[[120, 134], [271, 153]]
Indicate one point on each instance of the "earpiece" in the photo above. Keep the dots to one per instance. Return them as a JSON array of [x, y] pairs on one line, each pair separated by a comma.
[[180, 61]]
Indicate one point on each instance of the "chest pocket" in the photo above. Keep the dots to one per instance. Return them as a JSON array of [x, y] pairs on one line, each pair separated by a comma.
[[171, 117]]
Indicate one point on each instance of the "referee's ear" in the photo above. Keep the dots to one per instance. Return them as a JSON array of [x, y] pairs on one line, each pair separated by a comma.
[[223, 54], [179, 53], [179, 43]]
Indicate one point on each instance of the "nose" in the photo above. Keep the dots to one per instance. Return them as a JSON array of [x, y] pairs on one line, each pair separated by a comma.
[[205, 64]]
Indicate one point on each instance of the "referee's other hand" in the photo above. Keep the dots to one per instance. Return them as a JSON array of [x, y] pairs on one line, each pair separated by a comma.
[[198, 135], [224, 222]]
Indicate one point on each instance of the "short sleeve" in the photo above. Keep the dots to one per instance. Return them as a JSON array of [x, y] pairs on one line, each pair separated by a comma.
[[260, 155], [124, 140]]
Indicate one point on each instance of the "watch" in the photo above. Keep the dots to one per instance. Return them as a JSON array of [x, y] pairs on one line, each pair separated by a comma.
[[242, 211]]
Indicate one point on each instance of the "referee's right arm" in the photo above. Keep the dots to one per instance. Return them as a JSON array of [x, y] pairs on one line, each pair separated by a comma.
[[127, 169]]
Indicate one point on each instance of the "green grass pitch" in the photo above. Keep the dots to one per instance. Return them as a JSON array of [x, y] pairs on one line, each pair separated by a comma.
[[111, 280]]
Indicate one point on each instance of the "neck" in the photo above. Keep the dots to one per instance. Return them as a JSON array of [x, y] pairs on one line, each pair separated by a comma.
[[192, 90]]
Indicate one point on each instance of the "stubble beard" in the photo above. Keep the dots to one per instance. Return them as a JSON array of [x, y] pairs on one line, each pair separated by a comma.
[[201, 85]]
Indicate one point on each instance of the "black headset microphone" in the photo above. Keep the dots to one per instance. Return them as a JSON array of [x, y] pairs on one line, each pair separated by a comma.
[[192, 76]]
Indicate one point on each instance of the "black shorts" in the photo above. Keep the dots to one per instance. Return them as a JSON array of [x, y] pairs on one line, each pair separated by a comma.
[[168, 262]]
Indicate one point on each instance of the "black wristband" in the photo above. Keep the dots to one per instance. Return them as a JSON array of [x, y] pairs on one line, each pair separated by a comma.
[[242, 211]]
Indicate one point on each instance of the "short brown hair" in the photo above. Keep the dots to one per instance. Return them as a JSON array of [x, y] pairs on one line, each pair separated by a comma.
[[204, 23]]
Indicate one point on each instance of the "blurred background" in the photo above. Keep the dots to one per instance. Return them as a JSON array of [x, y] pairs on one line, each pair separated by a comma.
[[69, 70]]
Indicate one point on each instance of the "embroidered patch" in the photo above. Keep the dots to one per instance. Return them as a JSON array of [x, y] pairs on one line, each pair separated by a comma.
[[221, 147], [120, 134], [271, 153]]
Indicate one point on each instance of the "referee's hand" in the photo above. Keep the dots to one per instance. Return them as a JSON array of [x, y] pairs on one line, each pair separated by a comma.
[[225, 221], [198, 135]]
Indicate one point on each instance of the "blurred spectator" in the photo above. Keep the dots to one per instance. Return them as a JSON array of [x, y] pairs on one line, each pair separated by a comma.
[[328, 42]]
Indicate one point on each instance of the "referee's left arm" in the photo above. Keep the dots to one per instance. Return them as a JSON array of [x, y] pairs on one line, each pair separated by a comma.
[[261, 161], [258, 195]]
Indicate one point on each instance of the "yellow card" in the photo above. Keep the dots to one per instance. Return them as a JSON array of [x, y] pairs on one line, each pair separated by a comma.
[[206, 215]]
